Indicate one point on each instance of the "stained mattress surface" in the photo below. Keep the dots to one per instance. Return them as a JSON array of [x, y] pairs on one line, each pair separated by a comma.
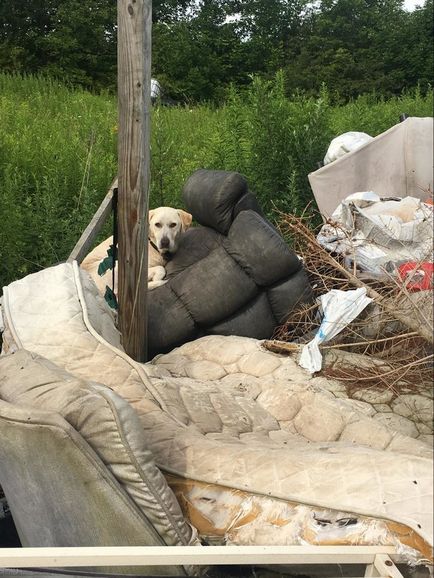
[[223, 411]]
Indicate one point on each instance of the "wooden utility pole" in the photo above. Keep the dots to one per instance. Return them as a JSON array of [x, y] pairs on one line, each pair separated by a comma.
[[134, 102]]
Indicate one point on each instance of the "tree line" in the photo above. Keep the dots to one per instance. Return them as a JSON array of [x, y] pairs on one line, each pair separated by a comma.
[[202, 47]]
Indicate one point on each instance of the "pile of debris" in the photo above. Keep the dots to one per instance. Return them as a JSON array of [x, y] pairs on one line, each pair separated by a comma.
[[395, 330], [370, 264]]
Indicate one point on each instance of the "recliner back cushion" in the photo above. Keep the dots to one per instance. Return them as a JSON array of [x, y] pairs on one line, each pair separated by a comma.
[[259, 249], [110, 426], [210, 196]]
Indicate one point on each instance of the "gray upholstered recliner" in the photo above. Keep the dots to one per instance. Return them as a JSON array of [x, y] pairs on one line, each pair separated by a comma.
[[234, 275], [74, 465]]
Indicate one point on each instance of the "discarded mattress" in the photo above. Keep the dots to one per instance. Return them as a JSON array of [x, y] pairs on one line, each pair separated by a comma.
[[396, 163], [254, 451]]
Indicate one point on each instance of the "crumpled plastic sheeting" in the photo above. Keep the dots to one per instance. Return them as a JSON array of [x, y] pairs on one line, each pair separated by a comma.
[[339, 309], [345, 143], [375, 234]]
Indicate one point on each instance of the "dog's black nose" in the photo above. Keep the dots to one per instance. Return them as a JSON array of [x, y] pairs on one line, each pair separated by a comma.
[[164, 243]]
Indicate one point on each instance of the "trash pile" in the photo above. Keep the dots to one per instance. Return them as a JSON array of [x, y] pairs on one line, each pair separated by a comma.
[[383, 237], [384, 314], [370, 264]]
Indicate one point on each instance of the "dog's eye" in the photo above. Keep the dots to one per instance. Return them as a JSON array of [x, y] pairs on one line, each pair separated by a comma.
[[172, 225], [158, 225]]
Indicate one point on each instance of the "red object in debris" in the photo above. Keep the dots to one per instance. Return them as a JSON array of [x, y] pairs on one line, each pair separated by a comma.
[[417, 276]]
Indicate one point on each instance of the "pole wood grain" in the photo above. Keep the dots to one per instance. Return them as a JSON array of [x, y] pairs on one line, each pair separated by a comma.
[[134, 101]]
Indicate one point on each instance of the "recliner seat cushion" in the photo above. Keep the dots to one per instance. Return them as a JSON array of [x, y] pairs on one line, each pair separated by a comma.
[[253, 320], [213, 288], [195, 244], [169, 320]]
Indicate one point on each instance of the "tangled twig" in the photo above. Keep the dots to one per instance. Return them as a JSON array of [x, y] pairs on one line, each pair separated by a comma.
[[396, 328]]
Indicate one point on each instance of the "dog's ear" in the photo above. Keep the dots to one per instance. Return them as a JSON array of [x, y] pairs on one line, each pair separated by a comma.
[[151, 235], [186, 219]]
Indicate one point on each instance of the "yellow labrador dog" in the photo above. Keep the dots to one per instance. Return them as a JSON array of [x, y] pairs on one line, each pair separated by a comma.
[[165, 228]]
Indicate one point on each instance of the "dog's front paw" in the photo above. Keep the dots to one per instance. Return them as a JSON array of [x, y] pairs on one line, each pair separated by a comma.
[[154, 284], [156, 273]]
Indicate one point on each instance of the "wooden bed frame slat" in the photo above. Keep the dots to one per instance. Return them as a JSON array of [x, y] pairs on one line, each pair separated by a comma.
[[84, 244]]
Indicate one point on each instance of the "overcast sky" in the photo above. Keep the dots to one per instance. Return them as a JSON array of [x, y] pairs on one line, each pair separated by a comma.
[[411, 4]]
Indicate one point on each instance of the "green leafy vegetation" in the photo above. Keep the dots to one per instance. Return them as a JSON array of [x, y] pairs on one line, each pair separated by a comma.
[[57, 156], [58, 153]]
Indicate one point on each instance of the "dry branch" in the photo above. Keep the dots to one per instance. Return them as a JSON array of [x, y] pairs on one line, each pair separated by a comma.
[[394, 333], [296, 228]]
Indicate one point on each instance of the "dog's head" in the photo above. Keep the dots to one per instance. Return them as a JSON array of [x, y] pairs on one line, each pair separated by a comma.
[[165, 226]]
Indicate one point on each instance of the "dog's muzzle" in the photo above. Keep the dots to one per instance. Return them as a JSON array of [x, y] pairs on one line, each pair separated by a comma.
[[165, 243], [167, 255]]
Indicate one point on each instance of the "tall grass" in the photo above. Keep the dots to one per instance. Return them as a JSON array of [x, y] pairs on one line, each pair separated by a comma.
[[274, 141], [58, 154], [373, 114]]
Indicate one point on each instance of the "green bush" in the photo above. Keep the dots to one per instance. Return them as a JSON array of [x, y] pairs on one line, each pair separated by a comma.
[[58, 154], [274, 142], [179, 145]]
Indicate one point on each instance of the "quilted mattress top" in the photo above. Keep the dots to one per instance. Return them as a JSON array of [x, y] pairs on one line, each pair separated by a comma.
[[223, 410]]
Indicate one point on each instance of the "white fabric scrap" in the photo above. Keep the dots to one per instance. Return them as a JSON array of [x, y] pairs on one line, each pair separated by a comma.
[[345, 143], [339, 309]]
